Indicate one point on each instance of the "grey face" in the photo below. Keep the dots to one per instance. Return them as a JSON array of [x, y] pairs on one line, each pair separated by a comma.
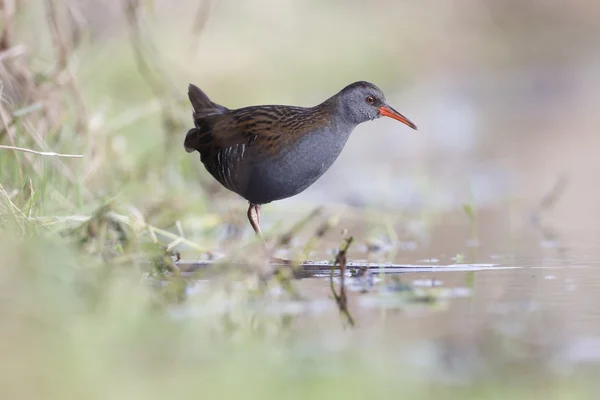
[[362, 101]]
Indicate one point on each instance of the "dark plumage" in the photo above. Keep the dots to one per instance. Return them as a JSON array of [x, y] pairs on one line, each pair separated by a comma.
[[266, 153]]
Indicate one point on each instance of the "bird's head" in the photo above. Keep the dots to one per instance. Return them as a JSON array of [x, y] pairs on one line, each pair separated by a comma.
[[363, 101]]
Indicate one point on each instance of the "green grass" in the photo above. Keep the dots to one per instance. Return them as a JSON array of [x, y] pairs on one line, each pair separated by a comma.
[[81, 314]]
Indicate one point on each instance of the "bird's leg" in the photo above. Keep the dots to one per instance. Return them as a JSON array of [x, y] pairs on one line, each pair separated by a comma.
[[254, 218], [257, 210]]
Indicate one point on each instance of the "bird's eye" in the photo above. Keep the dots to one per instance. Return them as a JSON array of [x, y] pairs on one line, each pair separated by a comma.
[[370, 99]]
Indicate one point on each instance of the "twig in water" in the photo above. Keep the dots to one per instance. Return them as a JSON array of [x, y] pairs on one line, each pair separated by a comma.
[[340, 298], [284, 274], [286, 238], [549, 200], [546, 204], [321, 230], [41, 153], [555, 193]]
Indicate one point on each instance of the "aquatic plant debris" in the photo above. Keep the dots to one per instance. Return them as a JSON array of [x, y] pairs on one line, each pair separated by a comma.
[[340, 298], [312, 268]]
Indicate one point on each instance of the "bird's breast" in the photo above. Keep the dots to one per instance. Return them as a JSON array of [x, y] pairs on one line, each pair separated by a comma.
[[292, 169]]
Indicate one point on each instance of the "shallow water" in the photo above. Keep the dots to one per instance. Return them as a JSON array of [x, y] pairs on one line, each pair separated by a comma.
[[515, 283], [453, 305]]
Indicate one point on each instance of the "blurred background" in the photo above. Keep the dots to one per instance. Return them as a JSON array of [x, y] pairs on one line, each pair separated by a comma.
[[503, 168], [504, 94]]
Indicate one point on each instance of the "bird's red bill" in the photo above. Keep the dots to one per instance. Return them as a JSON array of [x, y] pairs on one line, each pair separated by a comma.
[[388, 111]]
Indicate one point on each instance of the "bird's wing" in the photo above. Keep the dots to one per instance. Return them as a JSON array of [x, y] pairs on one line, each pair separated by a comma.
[[263, 126]]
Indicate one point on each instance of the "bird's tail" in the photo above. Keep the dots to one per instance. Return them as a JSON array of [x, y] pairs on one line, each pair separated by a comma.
[[198, 137], [203, 106], [190, 140]]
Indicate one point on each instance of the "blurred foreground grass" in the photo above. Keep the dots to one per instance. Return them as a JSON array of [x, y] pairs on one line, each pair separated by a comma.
[[74, 327], [83, 315]]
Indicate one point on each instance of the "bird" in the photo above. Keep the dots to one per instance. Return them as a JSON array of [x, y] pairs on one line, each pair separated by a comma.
[[266, 153]]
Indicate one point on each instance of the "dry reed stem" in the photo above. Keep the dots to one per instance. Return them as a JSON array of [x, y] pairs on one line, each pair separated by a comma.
[[41, 153], [8, 122], [63, 70], [8, 8], [134, 223], [12, 52], [155, 83], [200, 20]]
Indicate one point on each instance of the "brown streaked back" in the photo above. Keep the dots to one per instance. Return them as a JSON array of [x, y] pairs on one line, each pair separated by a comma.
[[270, 128]]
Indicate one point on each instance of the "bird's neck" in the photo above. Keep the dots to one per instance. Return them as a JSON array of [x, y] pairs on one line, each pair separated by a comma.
[[341, 117]]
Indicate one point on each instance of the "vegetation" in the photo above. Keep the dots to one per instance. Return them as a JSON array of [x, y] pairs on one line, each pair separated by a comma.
[[96, 204]]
